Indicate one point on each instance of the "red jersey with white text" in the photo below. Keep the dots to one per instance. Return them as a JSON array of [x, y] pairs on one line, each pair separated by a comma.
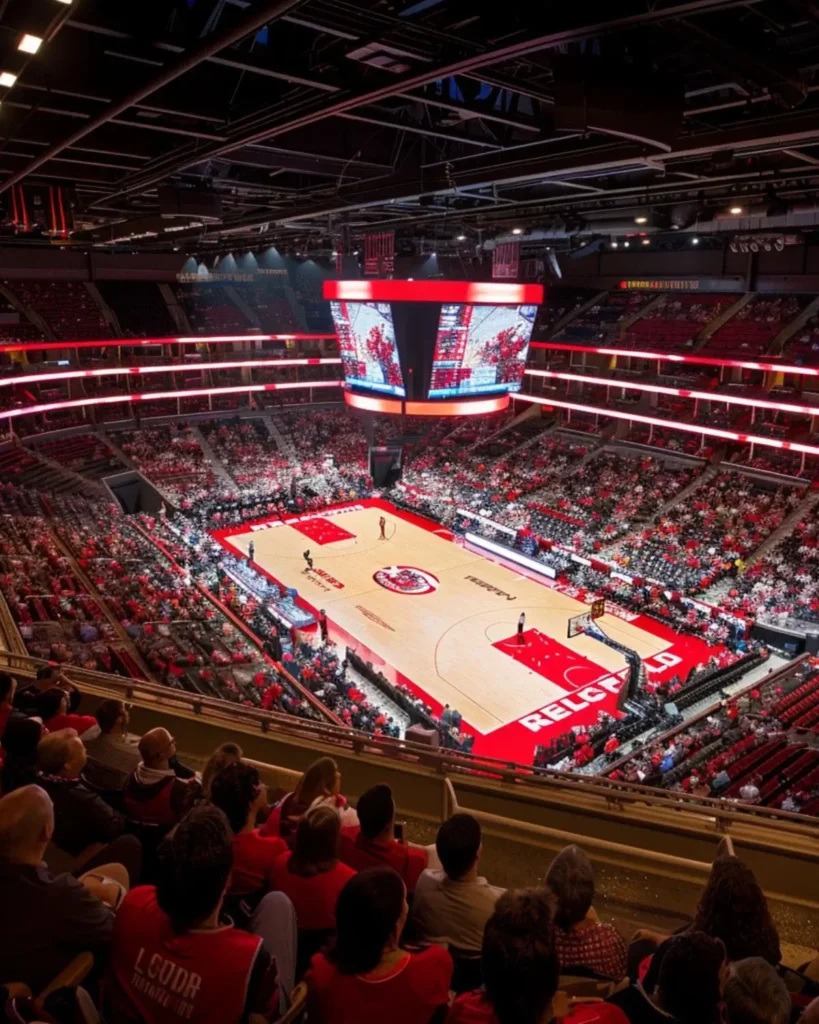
[[360, 853], [408, 994], [314, 898], [253, 858], [475, 1008], [213, 976]]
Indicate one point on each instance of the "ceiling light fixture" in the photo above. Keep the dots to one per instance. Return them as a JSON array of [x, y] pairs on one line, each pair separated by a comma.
[[646, 241], [641, 219], [517, 231], [625, 245], [695, 240], [461, 238], [614, 245], [66, 2], [736, 210], [7, 79], [29, 43]]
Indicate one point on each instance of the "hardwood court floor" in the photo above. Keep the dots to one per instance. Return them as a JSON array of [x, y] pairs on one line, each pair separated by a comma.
[[457, 640]]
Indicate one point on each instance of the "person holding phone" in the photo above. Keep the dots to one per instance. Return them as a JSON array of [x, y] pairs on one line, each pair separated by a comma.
[[379, 839]]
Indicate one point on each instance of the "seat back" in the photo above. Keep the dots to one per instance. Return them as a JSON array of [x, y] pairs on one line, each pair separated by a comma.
[[467, 973], [579, 987], [311, 941], [298, 1005]]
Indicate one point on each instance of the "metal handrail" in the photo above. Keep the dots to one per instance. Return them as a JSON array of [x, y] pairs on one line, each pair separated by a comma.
[[462, 767]]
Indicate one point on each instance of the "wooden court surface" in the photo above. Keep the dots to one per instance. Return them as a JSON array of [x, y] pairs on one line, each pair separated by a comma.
[[442, 640]]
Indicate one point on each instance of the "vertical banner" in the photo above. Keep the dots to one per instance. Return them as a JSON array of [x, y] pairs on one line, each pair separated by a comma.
[[379, 253], [506, 261]]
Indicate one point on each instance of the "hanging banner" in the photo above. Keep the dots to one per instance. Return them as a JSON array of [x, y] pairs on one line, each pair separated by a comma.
[[45, 209], [379, 254], [506, 261]]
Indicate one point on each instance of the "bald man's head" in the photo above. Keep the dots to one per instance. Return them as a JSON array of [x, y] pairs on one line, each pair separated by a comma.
[[156, 747], [26, 825], [61, 753]]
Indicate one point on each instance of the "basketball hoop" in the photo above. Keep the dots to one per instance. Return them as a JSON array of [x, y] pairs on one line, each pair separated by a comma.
[[580, 623]]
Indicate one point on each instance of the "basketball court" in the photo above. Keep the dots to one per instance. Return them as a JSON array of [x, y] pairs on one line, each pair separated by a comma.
[[444, 620]]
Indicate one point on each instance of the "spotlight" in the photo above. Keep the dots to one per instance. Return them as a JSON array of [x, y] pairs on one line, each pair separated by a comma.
[[461, 238], [66, 2], [646, 241], [614, 245], [736, 210], [433, 254], [334, 253], [29, 43], [7, 79], [695, 240], [517, 231], [625, 245], [641, 219]]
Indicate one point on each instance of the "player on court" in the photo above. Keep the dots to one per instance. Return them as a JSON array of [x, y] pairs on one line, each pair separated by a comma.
[[251, 551], [308, 560], [521, 627], [382, 522]]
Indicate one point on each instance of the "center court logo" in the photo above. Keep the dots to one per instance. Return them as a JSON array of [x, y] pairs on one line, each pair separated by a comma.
[[406, 579]]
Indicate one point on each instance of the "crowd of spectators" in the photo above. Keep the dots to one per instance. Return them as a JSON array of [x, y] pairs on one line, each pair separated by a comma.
[[751, 748], [169, 894], [785, 583], [606, 498], [707, 536], [750, 331], [674, 321], [438, 483], [171, 457]]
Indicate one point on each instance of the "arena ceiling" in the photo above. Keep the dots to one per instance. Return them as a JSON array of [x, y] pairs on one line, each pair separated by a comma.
[[248, 122]]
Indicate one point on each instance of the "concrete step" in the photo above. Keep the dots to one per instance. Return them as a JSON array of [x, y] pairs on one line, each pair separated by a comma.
[[216, 464]]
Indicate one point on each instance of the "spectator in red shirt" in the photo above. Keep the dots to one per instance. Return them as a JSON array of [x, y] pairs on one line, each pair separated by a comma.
[[367, 976], [521, 970], [319, 786], [580, 939], [312, 875], [238, 791], [52, 708], [153, 794], [174, 957], [374, 842]]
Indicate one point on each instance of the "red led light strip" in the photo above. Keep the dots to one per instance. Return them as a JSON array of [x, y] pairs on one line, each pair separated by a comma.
[[670, 357], [212, 339], [394, 406], [469, 292], [690, 428], [154, 396], [711, 396], [113, 371]]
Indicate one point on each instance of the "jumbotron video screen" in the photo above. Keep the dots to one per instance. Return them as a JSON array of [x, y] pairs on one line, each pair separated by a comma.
[[366, 338], [480, 349]]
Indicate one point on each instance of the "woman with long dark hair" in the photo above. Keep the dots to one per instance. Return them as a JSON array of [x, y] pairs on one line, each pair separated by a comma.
[[733, 908], [367, 976]]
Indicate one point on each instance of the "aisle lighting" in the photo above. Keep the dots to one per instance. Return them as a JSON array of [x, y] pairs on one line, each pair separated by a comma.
[[657, 389], [689, 428]]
